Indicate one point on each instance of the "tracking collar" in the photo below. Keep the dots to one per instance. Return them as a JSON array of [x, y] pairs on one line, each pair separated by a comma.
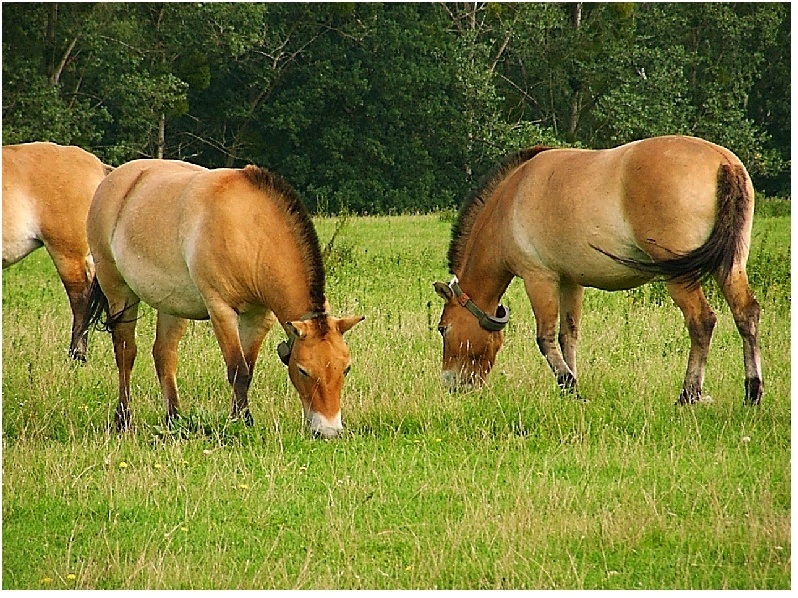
[[285, 347], [490, 323]]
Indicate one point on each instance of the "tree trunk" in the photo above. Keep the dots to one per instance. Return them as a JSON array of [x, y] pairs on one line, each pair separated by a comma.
[[574, 108], [576, 14], [161, 136]]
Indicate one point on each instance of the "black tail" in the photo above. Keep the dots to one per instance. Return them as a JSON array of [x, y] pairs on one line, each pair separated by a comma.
[[719, 254], [98, 311], [96, 308]]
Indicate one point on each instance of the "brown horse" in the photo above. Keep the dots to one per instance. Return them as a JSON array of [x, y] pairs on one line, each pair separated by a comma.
[[676, 208], [47, 189], [234, 246]]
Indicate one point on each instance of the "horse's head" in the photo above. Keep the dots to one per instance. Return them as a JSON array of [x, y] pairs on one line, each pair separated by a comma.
[[318, 359], [471, 338]]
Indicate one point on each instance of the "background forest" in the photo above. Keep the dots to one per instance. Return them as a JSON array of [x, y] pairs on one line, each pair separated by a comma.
[[388, 108]]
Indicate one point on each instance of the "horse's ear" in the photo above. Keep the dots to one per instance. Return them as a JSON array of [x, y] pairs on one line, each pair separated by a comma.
[[444, 290], [346, 324], [297, 328]]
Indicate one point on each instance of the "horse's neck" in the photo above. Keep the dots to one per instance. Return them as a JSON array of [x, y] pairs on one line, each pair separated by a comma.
[[291, 311], [285, 292], [484, 275]]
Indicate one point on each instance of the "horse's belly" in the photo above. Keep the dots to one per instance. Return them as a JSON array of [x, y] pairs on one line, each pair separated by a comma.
[[20, 232], [16, 248], [600, 272], [622, 281], [166, 289], [165, 295]]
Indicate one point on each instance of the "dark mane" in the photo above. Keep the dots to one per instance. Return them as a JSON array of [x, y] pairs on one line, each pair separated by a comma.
[[295, 210], [474, 203]]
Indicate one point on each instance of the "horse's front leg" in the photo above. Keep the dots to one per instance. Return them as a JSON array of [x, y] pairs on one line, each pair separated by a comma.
[[225, 326], [571, 295], [700, 320], [253, 326], [544, 296]]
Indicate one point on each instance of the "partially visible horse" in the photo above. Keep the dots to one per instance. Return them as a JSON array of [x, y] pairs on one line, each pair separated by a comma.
[[47, 189], [235, 246], [676, 208]]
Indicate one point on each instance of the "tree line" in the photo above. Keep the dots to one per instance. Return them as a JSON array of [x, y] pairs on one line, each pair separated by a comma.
[[396, 107]]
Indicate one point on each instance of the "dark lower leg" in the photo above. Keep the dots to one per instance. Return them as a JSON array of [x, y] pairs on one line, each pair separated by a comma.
[[746, 311], [125, 352], [240, 379], [700, 321]]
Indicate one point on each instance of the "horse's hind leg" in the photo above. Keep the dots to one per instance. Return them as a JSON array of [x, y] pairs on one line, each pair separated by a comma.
[[700, 321], [746, 311], [168, 332], [75, 269], [123, 306], [123, 333], [544, 297]]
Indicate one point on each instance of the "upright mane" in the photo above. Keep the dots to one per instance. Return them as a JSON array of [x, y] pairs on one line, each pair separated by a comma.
[[296, 212], [475, 202]]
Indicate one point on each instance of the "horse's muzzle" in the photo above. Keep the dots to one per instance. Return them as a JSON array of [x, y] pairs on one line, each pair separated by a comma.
[[457, 381], [323, 427]]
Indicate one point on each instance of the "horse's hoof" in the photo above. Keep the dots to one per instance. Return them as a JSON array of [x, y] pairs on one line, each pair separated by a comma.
[[567, 383], [693, 399], [753, 391], [245, 417], [78, 357], [122, 420]]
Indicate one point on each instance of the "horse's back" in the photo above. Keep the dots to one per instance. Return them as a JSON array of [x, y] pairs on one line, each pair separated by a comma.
[[655, 198], [47, 190], [163, 224]]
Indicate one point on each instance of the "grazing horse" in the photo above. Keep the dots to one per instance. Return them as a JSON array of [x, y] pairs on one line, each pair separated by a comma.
[[675, 208], [235, 246], [47, 189]]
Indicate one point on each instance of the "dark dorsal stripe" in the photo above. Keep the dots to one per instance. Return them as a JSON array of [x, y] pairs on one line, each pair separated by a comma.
[[475, 202], [289, 201]]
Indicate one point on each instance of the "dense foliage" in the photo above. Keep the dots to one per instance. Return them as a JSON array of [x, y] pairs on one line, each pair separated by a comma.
[[395, 107]]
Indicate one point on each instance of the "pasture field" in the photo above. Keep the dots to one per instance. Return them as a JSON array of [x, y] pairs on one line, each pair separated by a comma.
[[511, 486]]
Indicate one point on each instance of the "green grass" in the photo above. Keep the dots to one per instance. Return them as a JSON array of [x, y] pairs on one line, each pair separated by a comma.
[[512, 486]]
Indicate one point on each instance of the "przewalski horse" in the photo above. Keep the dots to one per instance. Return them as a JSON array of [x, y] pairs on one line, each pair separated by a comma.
[[235, 246], [675, 208], [47, 189]]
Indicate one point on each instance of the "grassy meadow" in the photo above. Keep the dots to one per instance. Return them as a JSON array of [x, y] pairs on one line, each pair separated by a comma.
[[511, 486]]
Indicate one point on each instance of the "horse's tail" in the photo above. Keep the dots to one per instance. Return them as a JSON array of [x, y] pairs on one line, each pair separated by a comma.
[[98, 312], [722, 249], [96, 308]]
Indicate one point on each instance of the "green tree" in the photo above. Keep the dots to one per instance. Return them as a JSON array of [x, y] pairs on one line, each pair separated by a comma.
[[45, 47], [398, 106]]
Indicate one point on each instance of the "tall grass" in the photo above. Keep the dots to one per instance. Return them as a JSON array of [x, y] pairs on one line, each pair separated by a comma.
[[512, 486]]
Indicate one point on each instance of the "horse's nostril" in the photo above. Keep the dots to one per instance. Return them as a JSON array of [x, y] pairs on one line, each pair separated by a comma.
[[324, 433]]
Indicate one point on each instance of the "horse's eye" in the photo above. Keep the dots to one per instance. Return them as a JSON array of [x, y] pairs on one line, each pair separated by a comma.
[[346, 370], [303, 371], [442, 329]]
